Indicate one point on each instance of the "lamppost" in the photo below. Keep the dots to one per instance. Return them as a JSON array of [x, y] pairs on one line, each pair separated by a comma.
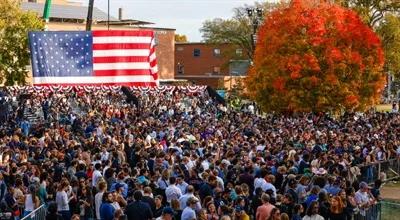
[[89, 19], [256, 16]]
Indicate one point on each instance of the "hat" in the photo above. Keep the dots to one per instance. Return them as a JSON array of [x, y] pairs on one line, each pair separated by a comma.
[[118, 185], [168, 210], [320, 171], [364, 185], [238, 208]]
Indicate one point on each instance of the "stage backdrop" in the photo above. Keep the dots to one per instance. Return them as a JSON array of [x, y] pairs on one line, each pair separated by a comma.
[[68, 58]]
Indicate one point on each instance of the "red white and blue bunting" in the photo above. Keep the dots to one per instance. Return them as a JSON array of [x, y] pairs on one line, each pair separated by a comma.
[[88, 89]]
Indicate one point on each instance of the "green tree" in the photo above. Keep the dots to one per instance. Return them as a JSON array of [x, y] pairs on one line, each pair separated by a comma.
[[236, 30], [180, 38], [389, 30], [372, 11], [14, 50]]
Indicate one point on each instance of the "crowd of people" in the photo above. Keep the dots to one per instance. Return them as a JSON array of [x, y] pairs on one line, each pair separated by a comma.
[[181, 155]]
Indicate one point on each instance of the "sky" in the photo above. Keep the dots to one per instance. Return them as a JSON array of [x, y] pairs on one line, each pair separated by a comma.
[[186, 16]]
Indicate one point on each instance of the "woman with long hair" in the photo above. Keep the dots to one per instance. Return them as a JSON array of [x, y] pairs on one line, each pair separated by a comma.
[[176, 206], [85, 203], [32, 201], [313, 212], [275, 214], [337, 209], [351, 204], [62, 200], [212, 212]]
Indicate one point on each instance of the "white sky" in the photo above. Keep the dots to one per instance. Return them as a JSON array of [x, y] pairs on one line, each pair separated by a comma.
[[186, 16]]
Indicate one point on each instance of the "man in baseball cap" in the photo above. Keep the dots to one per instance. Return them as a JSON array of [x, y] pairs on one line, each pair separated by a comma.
[[167, 214]]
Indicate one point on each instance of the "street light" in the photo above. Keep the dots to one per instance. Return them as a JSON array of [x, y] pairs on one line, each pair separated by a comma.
[[256, 16]]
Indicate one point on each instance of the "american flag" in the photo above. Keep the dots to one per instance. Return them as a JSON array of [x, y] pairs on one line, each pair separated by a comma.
[[94, 58]]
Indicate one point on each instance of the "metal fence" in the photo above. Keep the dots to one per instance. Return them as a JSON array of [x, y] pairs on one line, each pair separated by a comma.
[[37, 214], [385, 170], [372, 213]]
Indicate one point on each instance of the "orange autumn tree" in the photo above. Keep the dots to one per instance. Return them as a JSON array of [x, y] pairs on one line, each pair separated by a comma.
[[316, 57]]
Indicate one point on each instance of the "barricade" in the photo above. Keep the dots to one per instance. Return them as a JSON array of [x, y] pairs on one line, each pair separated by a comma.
[[390, 169], [37, 214]]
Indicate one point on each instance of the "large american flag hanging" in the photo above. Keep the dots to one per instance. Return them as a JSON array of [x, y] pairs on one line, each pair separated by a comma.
[[94, 58]]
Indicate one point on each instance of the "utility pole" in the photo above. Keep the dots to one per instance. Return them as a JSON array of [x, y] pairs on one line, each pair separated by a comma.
[[89, 19]]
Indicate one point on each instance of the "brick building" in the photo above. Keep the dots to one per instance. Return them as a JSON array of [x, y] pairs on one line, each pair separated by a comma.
[[211, 65], [69, 15]]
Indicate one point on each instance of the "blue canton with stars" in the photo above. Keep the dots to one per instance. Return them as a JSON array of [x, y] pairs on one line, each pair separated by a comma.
[[61, 53]]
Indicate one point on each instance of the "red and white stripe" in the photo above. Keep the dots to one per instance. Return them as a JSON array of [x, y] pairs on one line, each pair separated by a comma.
[[124, 57]]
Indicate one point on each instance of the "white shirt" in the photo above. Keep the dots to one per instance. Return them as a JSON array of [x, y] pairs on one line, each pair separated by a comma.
[[188, 214], [267, 186], [172, 192], [258, 183], [182, 187], [98, 199], [205, 164], [313, 217], [105, 156], [220, 182], [29, 206], [62, 201], [260, 147], [183, 200], [96, 176]]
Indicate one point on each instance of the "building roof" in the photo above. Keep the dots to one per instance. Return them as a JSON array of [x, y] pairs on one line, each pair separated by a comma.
[[67, 11], [126, 22], [192, 43]]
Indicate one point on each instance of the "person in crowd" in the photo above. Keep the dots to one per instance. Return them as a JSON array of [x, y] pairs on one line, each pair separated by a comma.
[[52, 213], [93, 141], [138, 209], [264, 211], [98, 198], [212, 213], [189, 213], [107, 210], [167, 214], [172, 191], [31, 200], [184, 198], [364, 198], [298, 210], [175, 205], [312, 212], [337, 209], [85, 199], [63, 200], [158, 206], [275, 214]]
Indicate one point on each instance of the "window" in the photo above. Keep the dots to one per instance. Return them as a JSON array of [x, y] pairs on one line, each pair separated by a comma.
[[239, 52], [179, 48], [216, 70], [196, 52], [217, 52]]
